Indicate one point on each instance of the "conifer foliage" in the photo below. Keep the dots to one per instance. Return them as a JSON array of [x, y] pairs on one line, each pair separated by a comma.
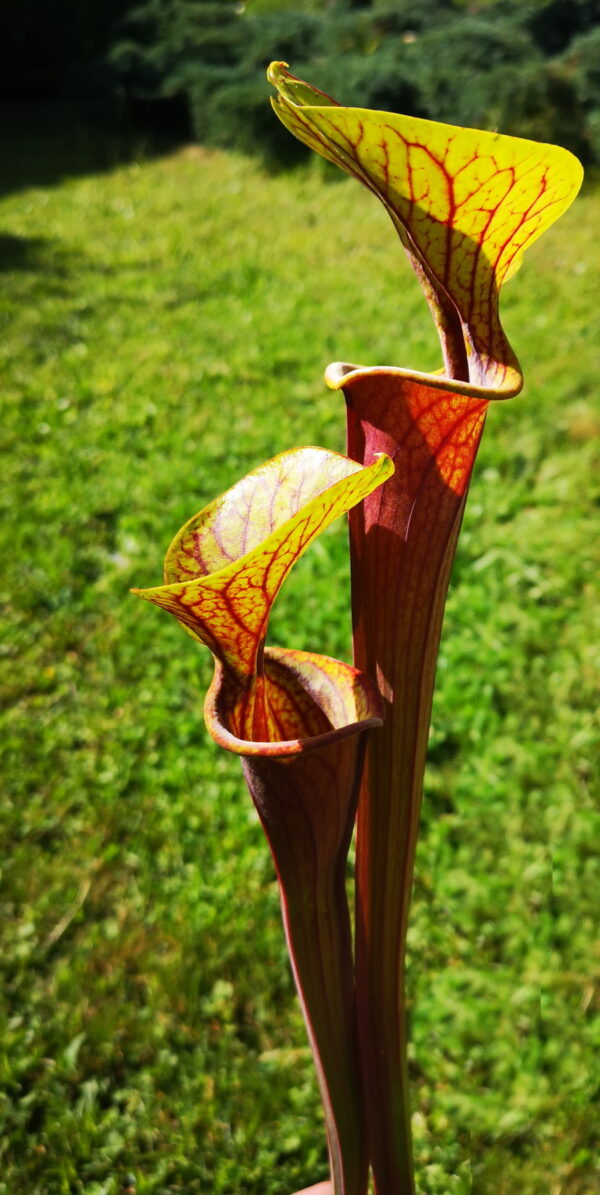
[[527, 67]]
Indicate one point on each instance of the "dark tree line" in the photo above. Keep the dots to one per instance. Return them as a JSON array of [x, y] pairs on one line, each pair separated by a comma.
[[529, 67]]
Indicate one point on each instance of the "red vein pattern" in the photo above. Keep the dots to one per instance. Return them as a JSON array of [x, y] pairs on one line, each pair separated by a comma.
[[225, 567], [299, 723], [466, 204], [402, 545], [306, 794]]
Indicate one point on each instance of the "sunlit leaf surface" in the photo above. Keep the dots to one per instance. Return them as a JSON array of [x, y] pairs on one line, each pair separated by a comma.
[[467, 203], [225, 567]]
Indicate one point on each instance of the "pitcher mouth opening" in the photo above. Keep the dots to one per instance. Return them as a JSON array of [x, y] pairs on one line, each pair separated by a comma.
[[320, 701], [340, 373]]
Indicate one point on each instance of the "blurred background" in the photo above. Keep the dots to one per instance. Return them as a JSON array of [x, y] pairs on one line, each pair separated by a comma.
[[176, 273], [529, 67]]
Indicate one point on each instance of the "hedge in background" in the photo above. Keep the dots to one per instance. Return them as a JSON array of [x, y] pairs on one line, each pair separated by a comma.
[[527, 68]]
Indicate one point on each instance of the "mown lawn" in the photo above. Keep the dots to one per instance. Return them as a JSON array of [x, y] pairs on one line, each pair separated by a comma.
[[165, 326]]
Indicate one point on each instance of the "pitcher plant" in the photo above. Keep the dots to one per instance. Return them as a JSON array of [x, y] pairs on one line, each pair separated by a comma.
[[323, 743]]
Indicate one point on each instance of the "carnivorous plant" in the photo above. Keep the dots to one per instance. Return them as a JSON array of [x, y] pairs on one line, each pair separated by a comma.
[[466, 204]]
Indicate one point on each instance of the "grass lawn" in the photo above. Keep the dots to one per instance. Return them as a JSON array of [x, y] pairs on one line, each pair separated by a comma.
[[165, 326]]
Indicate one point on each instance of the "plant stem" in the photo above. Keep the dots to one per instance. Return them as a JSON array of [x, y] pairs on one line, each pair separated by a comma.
[[402, 542], [307, 806]]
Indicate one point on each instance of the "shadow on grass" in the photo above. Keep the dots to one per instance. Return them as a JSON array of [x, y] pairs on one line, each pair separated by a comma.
[[43, 143], [39, 296], [31, 254]]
